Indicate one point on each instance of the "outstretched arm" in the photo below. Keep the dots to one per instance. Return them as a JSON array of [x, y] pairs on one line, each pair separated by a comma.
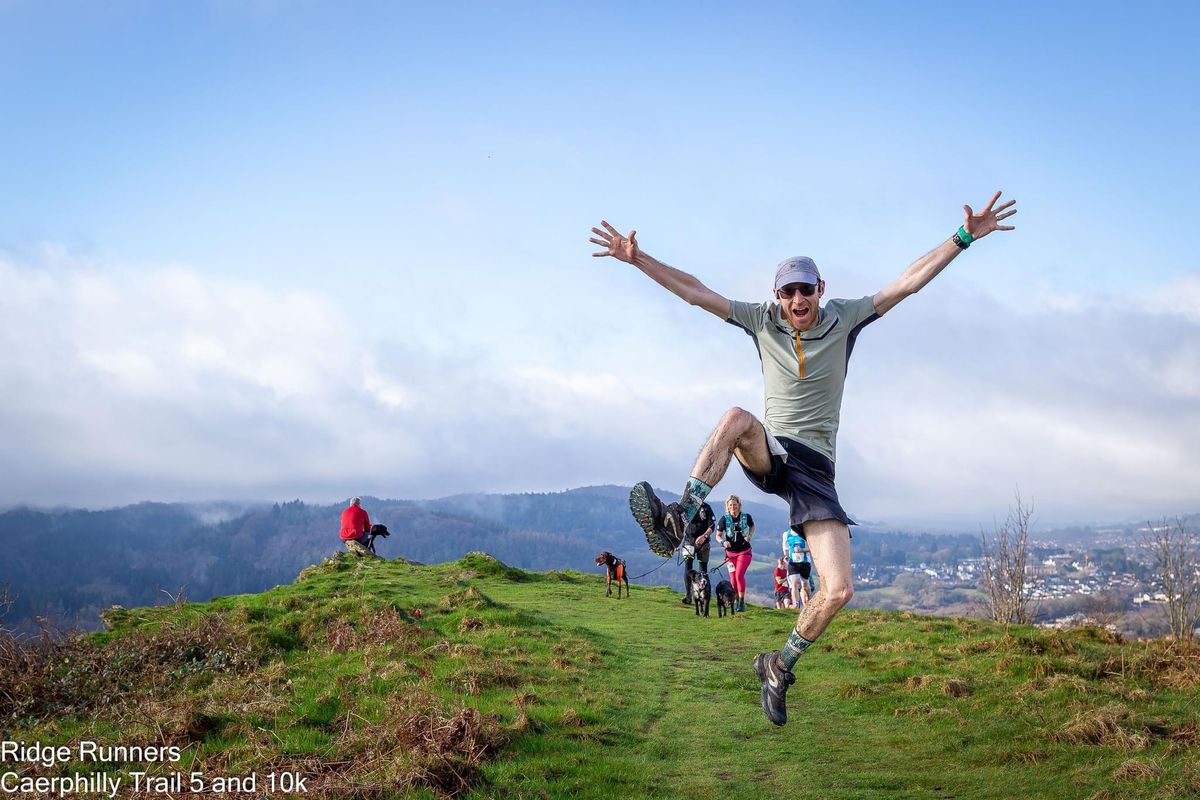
[[677, 282], [927, 267]]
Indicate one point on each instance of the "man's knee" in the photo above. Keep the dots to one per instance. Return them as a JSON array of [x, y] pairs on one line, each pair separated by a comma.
[[838, 594], [736, 421]]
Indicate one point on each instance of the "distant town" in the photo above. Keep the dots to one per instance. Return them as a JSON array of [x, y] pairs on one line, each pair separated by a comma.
[[1110, 580]]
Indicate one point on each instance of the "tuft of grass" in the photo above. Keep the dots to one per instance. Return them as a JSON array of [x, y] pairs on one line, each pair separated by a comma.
[[384, 628], [442, 751], [1186, 735], [1112, 726], [1137, 769], [1071, 683], [1161, 664], [469, 598]]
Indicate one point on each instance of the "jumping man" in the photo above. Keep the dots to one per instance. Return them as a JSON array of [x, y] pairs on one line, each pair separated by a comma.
[[804, 348]]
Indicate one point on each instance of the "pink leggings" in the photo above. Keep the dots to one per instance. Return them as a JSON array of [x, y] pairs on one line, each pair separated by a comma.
[[738, 564]]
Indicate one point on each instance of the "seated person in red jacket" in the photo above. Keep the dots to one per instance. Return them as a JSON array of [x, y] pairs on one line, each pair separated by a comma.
[[356, 523]]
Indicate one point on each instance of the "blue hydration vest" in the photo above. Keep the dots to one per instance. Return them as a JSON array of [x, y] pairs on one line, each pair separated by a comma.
[[795, 548], [735, 530]]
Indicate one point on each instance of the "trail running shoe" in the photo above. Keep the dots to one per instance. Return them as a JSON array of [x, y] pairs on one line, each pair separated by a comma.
[[775, 681], [663, 524]]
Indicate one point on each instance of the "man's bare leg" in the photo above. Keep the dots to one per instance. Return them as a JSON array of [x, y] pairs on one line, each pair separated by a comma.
[[829, 541], [738, 434]]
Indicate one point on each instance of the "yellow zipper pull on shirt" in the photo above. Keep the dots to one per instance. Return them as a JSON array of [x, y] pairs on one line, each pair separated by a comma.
[[800, 353]]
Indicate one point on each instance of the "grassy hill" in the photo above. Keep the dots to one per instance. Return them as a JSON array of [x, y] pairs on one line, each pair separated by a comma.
[[379, 679]]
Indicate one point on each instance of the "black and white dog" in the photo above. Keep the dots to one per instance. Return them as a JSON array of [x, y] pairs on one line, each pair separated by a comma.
[[725, 598], [700, 590], [376, 532]]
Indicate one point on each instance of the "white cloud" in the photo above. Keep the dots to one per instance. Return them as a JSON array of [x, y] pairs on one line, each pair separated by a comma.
[[1181, 296]]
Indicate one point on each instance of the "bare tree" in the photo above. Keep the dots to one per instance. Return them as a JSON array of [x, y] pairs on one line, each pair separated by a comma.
[[10, 643], [1175, 551], [1008, 592], [6, 603]]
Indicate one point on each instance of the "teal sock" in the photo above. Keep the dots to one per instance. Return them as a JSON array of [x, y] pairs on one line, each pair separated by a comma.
[[693, 497], [793, 649]]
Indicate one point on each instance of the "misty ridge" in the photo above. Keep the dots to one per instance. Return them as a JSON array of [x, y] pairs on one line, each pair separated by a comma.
[[67, 565]]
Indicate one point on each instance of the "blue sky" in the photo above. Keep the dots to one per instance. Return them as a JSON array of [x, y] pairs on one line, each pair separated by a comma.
[[315, 249]]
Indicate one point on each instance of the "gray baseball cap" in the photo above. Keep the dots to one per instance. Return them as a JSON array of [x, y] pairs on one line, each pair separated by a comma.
[[797, 269]]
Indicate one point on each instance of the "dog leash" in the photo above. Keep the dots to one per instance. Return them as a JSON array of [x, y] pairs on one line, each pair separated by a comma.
[[656, 569], [668, 558], [677, 551]]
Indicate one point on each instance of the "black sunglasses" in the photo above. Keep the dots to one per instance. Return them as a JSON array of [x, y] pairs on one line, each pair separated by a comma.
[[805, 289]]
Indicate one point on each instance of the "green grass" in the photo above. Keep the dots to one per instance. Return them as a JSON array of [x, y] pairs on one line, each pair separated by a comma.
[[579, 695]]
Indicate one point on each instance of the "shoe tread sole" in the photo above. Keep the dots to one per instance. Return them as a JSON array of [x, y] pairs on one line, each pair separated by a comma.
[[642, 508]]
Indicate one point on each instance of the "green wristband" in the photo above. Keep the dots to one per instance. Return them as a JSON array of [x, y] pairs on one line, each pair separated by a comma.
[[962, 238]]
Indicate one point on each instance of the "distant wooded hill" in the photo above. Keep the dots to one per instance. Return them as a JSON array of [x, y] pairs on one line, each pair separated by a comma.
[[68, 565]]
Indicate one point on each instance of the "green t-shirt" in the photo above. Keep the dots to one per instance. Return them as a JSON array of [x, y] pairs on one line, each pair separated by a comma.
[[804, 374]]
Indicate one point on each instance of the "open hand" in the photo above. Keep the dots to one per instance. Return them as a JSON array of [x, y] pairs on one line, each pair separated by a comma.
[[988, 220], [624, 248]]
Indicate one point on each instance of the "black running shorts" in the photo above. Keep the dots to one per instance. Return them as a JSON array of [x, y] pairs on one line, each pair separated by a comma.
[[803, 569], [804, 478]]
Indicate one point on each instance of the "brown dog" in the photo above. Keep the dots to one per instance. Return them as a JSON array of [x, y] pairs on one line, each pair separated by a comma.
[[615, 568]]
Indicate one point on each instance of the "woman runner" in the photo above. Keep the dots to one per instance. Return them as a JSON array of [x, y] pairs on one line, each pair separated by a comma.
[[734, 531]]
